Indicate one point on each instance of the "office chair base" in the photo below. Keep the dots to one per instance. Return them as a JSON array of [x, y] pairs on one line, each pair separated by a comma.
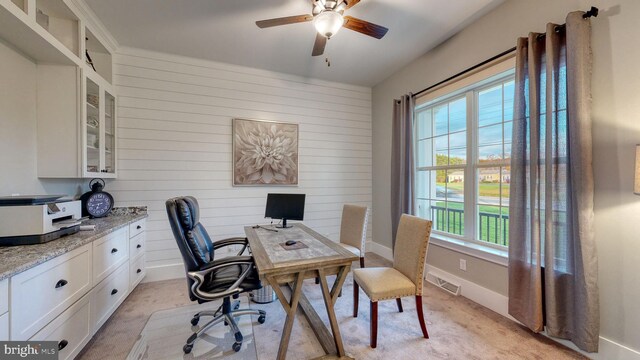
[[228, 317], [196, 318]]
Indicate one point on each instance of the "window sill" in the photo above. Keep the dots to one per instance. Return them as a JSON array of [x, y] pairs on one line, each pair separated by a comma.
[[493, 255]]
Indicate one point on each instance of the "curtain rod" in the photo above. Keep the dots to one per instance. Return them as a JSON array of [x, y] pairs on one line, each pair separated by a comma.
[[593, 12]]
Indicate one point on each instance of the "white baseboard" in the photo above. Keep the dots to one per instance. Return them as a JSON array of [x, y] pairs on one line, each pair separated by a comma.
[[379, 249], [488, 298], [499, 303], [164, 272], [607, 349]]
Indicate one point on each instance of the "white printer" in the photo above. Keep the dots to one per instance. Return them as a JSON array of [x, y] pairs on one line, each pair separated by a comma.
[[26, 220]]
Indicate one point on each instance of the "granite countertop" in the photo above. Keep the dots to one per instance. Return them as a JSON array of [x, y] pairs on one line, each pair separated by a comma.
[[16, 259]]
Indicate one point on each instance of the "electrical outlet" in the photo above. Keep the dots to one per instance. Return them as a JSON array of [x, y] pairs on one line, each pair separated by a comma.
[[463, 264]]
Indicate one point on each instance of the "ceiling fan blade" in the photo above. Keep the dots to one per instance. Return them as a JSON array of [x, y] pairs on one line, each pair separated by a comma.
[[283, 21], [318, 46], [364, 27], [351, 3]]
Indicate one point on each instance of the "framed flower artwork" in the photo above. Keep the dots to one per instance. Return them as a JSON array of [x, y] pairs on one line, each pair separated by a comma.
[[264, 153]]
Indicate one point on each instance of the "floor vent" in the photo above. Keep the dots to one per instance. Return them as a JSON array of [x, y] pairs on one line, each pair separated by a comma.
[[447, 286]]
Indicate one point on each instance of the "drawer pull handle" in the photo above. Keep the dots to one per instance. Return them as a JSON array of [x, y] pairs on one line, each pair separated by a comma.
[[62, 344], [114, 291], [139, 227], [114, 250], [61, 283], [138, 271], [138, 246]]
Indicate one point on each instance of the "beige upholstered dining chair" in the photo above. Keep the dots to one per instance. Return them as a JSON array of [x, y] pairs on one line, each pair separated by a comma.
[[353, 229], [405, 278]]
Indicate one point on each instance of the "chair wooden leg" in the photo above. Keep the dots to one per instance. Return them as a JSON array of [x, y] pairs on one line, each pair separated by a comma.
[[374, 323], [362, 262], [399, 302], [356, 292], [421, 316]]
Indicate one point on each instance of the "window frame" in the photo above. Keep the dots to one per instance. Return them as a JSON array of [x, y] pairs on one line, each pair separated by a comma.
[[496, 75]]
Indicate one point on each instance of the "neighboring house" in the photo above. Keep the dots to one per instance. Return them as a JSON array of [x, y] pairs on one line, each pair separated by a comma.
[[456, 176], [486, 175], [494, 175]]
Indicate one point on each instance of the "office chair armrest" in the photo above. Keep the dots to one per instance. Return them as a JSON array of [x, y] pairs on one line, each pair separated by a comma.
[[198, 277], [232, 241]]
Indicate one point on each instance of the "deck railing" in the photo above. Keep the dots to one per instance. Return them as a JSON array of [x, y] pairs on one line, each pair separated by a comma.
[[493, 228]]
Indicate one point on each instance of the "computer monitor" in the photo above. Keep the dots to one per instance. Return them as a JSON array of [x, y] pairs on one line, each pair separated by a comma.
[[285, 207]]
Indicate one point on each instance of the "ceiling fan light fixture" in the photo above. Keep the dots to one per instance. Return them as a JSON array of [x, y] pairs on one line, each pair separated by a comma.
[[328, 23]]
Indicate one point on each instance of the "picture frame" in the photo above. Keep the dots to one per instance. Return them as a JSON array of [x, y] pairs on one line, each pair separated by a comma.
[[264, 153]]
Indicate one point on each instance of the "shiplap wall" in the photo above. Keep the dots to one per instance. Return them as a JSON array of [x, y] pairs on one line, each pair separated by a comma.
[[174, 138]]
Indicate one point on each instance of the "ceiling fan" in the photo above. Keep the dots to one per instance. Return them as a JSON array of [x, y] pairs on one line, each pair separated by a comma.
[[328, 18]]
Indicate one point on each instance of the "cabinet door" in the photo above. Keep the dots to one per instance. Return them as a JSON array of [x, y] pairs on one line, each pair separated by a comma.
[[93, 127], [109, 133]]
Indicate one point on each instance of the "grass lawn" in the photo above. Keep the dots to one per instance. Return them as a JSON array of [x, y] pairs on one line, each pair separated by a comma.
[[486, 189]]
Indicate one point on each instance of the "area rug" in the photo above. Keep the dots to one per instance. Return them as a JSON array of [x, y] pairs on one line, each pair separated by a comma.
[[458, 329], [166, 332]]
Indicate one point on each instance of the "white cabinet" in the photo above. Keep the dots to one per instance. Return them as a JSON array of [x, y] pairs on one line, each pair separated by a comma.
[[4, 327], [137, 246], [58, 283], [68, 298], [137, 227], [99, 128], [137, 271], [4, 296], [109, 252], [108, 295], [4, 308], [56, 36], [72, 329]]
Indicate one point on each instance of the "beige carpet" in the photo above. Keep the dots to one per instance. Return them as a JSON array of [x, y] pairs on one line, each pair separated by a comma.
[[458, 328]]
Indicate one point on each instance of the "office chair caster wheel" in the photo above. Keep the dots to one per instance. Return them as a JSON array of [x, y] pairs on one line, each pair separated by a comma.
[[195, 320], [261, 319], [237, 346], [187, 348]]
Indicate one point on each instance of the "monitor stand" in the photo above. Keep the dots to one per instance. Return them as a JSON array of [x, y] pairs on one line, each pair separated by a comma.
[[283, 225]]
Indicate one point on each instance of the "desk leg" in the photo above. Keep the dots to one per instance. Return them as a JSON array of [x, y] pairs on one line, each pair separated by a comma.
[[290, 308], [329, 302]]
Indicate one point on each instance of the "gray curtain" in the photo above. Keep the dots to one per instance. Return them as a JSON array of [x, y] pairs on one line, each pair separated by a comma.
[[553, 266], [402, 166]]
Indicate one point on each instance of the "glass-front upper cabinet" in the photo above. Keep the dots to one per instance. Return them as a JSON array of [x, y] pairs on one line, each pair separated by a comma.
[[109, 133], [92, 134], [99, 129]]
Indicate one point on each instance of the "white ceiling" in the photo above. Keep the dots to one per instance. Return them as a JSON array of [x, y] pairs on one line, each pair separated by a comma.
[[225, 31]]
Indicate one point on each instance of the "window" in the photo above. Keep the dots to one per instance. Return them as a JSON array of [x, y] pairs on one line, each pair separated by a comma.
[[463, 146]]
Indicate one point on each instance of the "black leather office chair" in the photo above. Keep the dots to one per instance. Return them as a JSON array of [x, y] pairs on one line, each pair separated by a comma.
[[209, 278]]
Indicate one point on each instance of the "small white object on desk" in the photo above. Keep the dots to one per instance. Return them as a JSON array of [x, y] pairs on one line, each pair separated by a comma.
[[87, 227]]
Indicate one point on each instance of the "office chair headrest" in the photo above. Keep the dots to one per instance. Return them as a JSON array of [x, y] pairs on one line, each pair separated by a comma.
[[188, 212]]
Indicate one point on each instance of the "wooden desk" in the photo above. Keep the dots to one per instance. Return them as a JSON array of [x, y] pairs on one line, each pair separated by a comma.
[[280, 266]]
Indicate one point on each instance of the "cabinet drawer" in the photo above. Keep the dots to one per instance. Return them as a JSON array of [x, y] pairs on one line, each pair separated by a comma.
[[71, 329], [137, 227], [137, 272], [4, 327], [109, 252], [108, 295], [4, 296], [40, 294], [137, 246]]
